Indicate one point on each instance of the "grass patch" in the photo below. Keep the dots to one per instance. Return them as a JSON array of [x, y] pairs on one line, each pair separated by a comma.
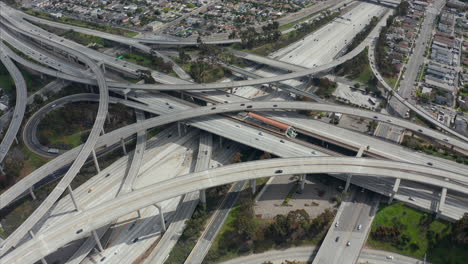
[[366, 75], [422, 233], [391, 81], [85, 24], [85, 39], [205, 72]]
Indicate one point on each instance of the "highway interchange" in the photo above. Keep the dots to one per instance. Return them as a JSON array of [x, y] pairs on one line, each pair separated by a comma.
[[442, 174]]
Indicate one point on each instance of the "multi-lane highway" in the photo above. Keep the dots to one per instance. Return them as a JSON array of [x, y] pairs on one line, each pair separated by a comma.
[[88, 220], [348, 232]]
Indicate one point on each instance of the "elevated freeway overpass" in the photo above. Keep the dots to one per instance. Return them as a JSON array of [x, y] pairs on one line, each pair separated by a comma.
[[20, 105], [114, 136], [83, 154], [84, 222]]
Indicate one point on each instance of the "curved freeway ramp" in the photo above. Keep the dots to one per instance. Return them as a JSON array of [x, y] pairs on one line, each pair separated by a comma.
[[117, 38], [84, 152], [114, 136], [81, 224], [20, 105], [30, 129]]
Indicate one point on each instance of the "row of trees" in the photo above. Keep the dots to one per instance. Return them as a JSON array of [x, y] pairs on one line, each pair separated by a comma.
[[362, 34], [251, 38], [326, 86], [384, 63], [250, 235]]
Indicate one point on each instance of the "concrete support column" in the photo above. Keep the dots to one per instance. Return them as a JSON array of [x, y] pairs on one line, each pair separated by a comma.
[[361, 151], [125, 97], [96, 161], [302, 182], [179, 130], [1, 169], [122, 142], [43, 261], [103, 68], [443, 195], [348, 182], [108, 118], [102, 131], [98, 242], [253, 185], [161, 215], [75, 203], [203, 197], [396, 185], [220, 142], [32, 193], [16, 140]]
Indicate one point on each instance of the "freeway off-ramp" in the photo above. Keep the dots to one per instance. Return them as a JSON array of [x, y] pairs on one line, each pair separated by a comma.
[[255, 106]]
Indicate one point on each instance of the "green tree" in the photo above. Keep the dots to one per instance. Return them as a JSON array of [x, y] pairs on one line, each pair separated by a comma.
[[460, 230], [38, 99]]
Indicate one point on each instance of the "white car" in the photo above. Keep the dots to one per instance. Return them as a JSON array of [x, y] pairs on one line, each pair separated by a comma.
[[348, 244], [389, 257], [337, 224], [359, 227]]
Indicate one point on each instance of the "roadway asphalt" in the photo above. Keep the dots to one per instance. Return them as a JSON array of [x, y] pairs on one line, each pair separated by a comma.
[[83, 222], [351, 225], [307, 254]]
